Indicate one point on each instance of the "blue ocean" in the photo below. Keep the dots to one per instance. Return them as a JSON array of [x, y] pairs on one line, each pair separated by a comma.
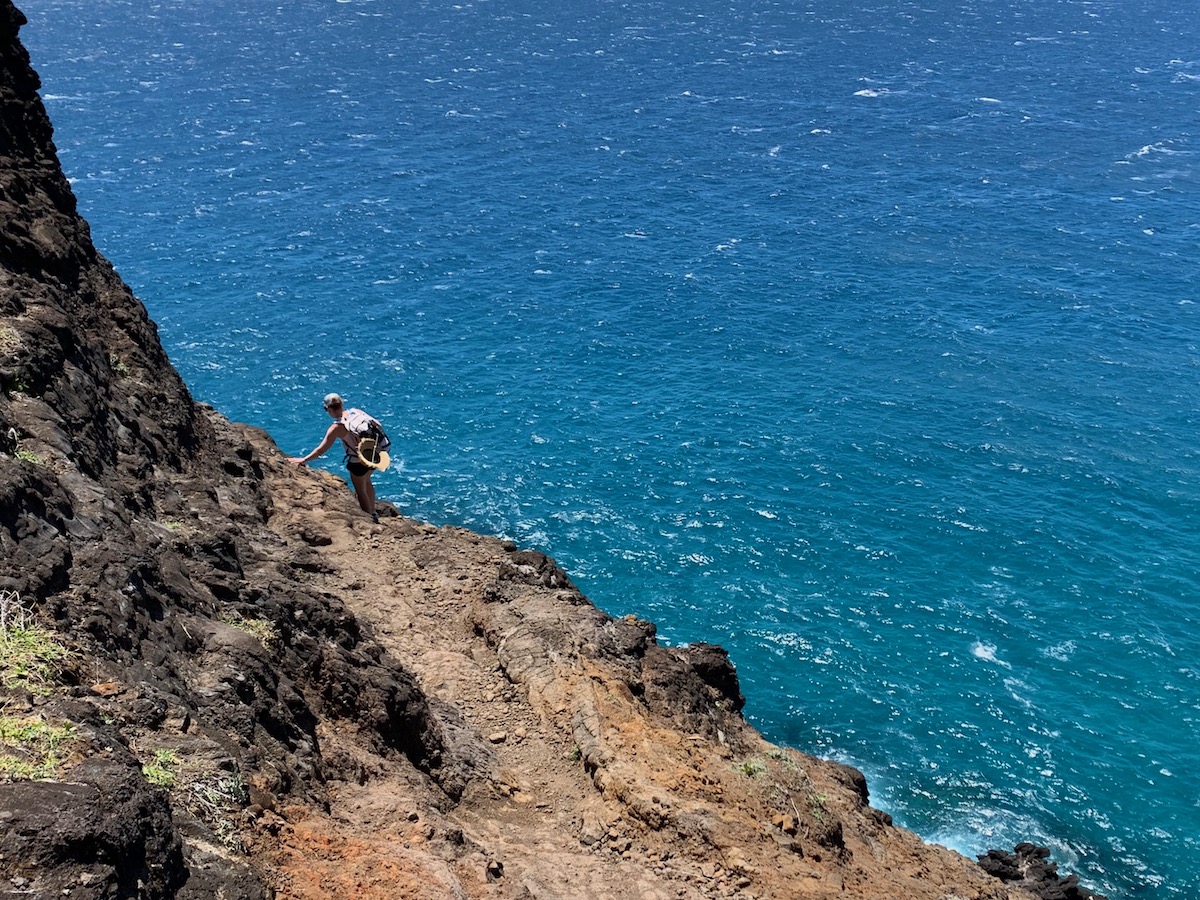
[[861, 339]]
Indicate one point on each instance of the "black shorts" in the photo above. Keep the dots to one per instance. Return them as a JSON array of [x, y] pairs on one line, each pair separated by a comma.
[[357, 469]]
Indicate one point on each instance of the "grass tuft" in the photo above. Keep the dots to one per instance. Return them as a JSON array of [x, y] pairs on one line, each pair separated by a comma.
[[214, 799], [30, 655], [31, 749], [262, 629]]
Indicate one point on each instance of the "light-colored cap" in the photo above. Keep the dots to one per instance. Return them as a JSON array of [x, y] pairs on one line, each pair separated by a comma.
[[332, 400]]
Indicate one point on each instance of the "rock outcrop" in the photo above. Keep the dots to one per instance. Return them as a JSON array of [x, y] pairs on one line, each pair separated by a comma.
[[1029, 867], [218, 679]]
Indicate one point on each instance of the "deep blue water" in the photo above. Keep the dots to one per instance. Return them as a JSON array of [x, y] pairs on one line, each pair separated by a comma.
[[862, 340]]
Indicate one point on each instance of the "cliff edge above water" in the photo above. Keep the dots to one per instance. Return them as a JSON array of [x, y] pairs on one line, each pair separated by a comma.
[[218, 679]]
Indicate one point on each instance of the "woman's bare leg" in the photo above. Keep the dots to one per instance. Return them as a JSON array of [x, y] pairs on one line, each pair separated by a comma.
[[364, 491]]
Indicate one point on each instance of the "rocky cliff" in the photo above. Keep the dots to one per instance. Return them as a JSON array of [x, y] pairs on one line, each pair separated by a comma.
[[219, 679]]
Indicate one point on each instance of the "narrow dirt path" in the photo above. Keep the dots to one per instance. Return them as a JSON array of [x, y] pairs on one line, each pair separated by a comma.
[[517, 831], [592, 762]]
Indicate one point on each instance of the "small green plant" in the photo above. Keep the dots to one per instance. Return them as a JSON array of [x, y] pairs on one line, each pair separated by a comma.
[[30, 655], [161, 770], [28, 456], [118, 365], [212, 796], [751, 768], [816, 803], [31, 749]]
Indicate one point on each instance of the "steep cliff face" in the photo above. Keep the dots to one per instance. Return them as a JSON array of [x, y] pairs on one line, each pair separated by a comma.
[[132, 526], [264, 693]]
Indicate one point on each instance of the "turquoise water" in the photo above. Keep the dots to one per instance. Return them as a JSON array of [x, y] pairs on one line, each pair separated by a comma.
[[862, 341]]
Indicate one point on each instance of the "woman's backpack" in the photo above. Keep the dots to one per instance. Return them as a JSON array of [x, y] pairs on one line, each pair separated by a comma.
[[373, 441]]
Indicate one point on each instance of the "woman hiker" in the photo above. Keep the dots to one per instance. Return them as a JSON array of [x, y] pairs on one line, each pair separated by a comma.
[[348, 424]]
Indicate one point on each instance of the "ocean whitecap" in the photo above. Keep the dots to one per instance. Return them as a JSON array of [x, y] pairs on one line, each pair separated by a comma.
[[1062, 652], [987, 653], [967, 526]]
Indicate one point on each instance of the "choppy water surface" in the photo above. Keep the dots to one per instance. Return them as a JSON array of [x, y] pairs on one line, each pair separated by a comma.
[[862, 341]]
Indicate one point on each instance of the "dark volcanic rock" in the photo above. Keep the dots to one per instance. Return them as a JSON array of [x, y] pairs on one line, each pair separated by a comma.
[[105, 833], [1029, 867]]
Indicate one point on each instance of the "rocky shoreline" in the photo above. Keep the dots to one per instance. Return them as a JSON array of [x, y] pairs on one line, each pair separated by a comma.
[[219, 679]]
